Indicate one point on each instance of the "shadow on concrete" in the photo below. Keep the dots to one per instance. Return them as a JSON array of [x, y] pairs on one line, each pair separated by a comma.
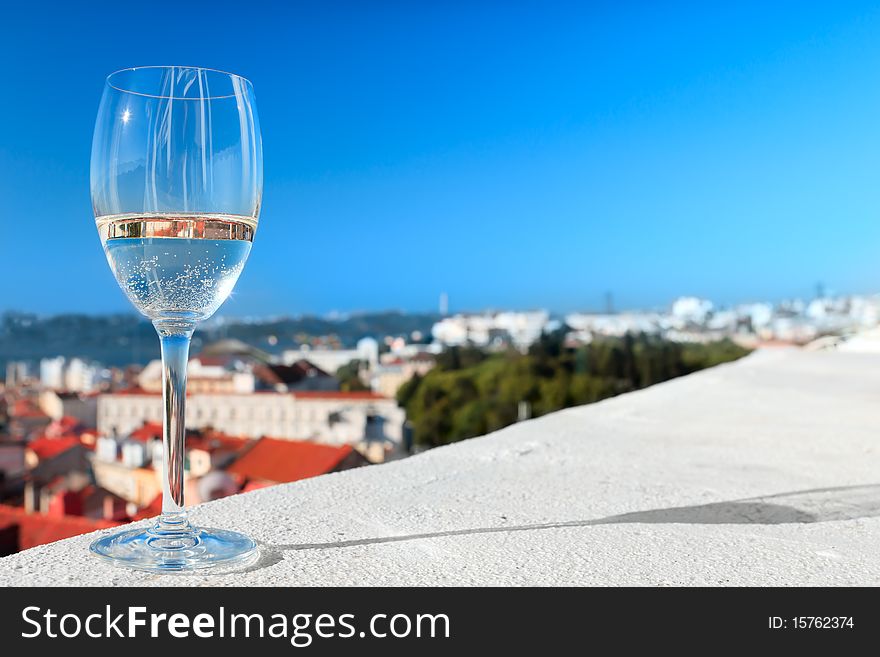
[[806, 506]]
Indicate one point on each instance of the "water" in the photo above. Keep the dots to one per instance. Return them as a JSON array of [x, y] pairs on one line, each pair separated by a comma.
[[177, 267]]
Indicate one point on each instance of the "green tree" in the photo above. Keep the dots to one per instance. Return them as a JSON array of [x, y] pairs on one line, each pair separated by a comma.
[[349, 377], [470, 393]]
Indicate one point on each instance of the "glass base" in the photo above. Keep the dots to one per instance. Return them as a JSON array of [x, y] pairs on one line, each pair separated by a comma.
[[160, 550]]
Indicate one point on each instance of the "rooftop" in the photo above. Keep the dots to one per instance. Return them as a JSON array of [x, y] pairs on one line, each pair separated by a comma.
[[285, 374], [761, 472], [276, 460], [354, 395], [46, 448], [20, 530]]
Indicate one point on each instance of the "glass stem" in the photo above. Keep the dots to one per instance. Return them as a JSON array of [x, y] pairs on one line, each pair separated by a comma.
[[175, 338]]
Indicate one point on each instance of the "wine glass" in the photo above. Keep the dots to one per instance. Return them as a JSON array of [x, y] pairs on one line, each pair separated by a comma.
[[176, 182]]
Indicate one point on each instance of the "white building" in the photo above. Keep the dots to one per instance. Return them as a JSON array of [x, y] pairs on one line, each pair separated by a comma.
[[790, 329], [722, 320], [759, 314], [57, 404], [75, 375], [351, 418], [18, 372], [52, 373], [201, 378], [521, 328], [865, 311], [692, 309], [524, 328], [452, 331], [80, 376], [585, 325], [330, 360]]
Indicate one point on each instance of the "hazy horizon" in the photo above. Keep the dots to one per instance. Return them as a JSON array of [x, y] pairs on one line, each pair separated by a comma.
[[224, 314]]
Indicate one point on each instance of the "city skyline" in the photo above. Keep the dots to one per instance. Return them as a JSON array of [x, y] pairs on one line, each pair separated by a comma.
[[604, 303], [521, 159]]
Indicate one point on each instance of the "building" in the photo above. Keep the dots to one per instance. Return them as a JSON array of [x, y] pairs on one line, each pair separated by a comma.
[[20, 530], [301, 375], [209, 451], [55, 465], [204, 374], [125, 469], [131, 467], [272, 461], [387, 377], [42, 450], [52, 373], [331, 417], [12, 463], [216, 465], [235, 374], [330, 360], [585, 326], [520, 329], [18, 373], [692, 310], [74, 375], [26, 418], [57, 404], [80, 376]]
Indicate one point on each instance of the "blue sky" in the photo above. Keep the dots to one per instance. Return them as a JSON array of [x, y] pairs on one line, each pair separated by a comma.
[[510, 154]]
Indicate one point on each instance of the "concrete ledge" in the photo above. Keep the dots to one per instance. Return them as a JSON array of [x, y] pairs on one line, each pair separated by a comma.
[[762, 472]]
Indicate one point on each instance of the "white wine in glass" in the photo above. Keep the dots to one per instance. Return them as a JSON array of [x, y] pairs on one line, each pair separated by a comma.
[[177, 180], [179, 264]]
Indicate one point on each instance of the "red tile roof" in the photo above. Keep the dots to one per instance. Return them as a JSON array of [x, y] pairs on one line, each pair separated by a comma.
[[46, 448], [208, 440], [31, 529], [134, 390], [67, 422], [66, 425], [283, 461], [364, 395], [148, 431], [211, 441]]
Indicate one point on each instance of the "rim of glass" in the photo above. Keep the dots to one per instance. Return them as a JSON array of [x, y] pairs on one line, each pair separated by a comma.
[[110, 84]]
